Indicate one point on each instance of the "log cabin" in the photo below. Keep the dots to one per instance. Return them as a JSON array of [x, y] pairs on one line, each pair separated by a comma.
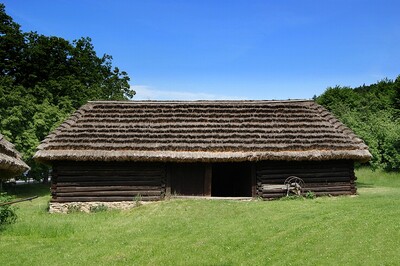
[[110, 151], [11, 163]]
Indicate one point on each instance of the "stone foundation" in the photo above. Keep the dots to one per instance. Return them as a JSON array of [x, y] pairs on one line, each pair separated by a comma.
[[67, 207]]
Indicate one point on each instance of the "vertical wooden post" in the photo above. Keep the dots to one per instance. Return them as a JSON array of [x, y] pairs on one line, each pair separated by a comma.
[[54, 181], [253, 180], [353, 178], [168, 179], [207, 179]]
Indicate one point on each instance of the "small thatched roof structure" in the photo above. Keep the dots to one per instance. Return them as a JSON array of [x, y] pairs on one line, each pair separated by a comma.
[[11, 163], [206, 131]]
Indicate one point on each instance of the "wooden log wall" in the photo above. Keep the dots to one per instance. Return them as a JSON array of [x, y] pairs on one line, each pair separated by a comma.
[[334, 177], [127, 181]]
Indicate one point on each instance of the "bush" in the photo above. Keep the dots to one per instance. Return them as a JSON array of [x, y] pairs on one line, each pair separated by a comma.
[[310, 195], [7, 212], [373, 113]]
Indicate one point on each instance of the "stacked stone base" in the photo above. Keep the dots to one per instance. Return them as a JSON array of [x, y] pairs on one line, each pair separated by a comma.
[[68, 207]]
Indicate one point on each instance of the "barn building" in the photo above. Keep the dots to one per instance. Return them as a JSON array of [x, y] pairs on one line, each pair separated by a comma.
[[11, 163], [110, 151]]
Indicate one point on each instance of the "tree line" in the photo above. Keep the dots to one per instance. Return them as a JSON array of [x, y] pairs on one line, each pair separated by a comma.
[[43, 79], [373, 113]]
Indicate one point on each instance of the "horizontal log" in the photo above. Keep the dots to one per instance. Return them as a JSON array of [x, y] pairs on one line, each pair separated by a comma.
[[273, 195], [310, 185], [304, 175], [106, 178], [303, 164], [105, 199], [98, 172], [106, 188], [340, 183], [273, 187], [306, 189], [131, 193], [317, 193], [329, 184], [110, 166], [333, 193], [303, 170], [284, 169], [306, 180], [327, 189], [108, 183]]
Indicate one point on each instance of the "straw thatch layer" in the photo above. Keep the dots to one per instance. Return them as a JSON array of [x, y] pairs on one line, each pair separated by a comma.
[[208, 131], [11, 163]]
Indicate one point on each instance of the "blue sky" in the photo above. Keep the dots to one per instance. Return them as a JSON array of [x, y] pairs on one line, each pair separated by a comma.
[[218, 49]]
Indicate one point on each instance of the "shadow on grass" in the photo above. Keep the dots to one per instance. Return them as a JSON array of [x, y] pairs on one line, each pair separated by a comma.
[[29, 190], [364, 185]]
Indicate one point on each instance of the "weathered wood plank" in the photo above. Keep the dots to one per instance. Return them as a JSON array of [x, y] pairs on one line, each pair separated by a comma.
[[107, 188], [105, 199], [304, 175], [167, 182], [333, 193], [253, 173], [273, 195], [302, 171], [324, 188], [317, 193], [108, 183], [113, 172], [312, 184], [109, 166], [306, 180], [322, 178], [106, 178], [305, 190], [207, 179], [328, 184], [131, 193], [303, 164]]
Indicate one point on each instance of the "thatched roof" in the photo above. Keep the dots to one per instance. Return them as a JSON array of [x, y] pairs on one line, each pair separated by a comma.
[[208, 131], [11, 163]]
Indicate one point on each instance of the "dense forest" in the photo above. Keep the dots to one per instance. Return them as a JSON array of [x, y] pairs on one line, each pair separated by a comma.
[[45, 78], [373, 113]]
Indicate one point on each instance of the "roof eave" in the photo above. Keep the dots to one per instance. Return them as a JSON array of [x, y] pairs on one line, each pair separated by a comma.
[[48, 156], [12, 166]]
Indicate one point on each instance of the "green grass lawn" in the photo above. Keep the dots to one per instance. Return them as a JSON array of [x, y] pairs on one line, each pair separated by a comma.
[[361, 230]]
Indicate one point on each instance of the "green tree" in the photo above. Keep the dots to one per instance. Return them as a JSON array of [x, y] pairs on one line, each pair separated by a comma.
[[11, 44], [43, 79], [372, 113]]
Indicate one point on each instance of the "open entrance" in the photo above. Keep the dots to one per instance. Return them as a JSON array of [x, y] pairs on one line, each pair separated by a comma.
[[231, 180]]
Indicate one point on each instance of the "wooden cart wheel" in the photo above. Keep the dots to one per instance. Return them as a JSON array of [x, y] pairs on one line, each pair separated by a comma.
[[294, 185]]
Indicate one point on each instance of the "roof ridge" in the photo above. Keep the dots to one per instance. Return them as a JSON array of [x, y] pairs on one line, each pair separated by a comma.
[[198, 101]]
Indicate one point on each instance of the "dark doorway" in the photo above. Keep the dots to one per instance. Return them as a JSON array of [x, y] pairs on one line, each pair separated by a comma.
[[231, 180]]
